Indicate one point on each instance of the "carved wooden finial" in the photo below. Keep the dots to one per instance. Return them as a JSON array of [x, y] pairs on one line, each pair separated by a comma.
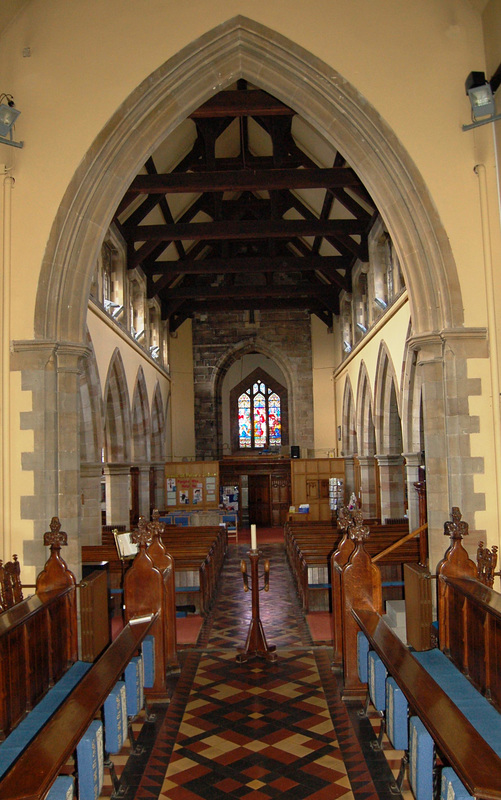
[[359, 531], [486, 564], [156, 527], [142, 535], [456, 528], [357, 520], [55, 538], [343, 518]]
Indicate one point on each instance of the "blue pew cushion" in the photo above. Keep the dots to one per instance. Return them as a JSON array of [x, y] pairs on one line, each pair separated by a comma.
[[30, 726], [134, 683], [476, 708], [63, 788], [376, 674], [148, 651], [362, 652], [115, 718], [90, 762], [421, 758], [397, 710], [452, 788]]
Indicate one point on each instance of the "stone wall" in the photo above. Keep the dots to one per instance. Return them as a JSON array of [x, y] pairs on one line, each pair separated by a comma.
[[282, 335]]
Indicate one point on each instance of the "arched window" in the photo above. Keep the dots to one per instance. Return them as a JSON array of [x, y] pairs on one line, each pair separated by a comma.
[[258, 412]]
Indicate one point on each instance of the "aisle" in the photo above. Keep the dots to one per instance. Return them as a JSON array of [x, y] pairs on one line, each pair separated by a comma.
[[259, 730]]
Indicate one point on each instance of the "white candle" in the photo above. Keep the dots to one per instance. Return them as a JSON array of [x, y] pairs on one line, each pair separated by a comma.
[[253, 538]]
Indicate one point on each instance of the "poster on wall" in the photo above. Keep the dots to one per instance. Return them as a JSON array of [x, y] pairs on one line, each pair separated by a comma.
[[197, 491], [183, 487], [171, 492], [210, 489]]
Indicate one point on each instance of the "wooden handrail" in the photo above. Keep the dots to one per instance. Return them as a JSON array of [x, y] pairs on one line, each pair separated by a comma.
[[400, 542], [475, 762], [37, 767]]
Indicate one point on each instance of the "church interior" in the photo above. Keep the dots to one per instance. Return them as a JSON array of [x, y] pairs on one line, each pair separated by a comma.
[[250, 461]]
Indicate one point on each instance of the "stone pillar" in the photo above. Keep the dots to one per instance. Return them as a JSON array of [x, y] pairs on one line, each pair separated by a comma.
[[159, 479], [392, 486], [51, 372], [117, 478], [412, 464], [90, 494], [448, 423], [144, 491], [349, 476], [368, 497]]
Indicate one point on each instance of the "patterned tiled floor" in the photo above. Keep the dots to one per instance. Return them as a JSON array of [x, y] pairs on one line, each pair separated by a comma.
[[258, 729]]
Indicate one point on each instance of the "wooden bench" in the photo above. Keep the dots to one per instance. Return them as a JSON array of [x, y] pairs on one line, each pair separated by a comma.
[[38, 766], [311, 564], [459, 715]]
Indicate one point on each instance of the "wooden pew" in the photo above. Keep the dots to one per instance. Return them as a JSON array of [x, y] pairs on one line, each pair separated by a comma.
[[464, 730], [38, 636], [38, 766], [309, 556]]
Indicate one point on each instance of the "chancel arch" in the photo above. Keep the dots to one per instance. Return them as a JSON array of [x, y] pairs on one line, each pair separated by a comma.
[[245, 49]]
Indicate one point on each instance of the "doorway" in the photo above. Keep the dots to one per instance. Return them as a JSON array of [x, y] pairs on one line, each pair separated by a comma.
[[259, 500]]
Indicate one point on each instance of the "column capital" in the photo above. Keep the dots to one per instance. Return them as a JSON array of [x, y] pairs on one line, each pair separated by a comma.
[[389, 459], [413, 459]]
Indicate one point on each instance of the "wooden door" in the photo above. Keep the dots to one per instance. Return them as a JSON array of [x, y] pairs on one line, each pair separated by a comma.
[[259, 500]]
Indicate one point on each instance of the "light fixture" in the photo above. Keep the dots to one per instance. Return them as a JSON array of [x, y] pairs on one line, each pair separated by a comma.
[[382, 304], [8, 116], [483, 108]]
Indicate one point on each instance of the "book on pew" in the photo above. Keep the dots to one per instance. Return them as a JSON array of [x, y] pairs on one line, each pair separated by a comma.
[[125, 547]]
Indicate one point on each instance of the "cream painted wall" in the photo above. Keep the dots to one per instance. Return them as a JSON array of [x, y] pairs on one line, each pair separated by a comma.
[[105, 340], [393, 331]]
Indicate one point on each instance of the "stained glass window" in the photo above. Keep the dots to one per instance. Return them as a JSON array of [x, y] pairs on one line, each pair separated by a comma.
[[259, 418]]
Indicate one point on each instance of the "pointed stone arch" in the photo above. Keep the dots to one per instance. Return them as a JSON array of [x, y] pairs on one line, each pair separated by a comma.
[[367, 464], [141, 422], [157, 426], [392, 483], [117, 419], [387, 407], [365, 416], [256, 345], [242, 48], [349, 429], [91, 410]]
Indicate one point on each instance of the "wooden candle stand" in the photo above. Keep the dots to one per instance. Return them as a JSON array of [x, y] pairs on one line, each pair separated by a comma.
[[256, 646]]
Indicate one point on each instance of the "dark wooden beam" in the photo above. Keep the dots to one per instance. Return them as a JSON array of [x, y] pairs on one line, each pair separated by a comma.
[[242, 103], [241, 180], [245, 229], [219, 266]]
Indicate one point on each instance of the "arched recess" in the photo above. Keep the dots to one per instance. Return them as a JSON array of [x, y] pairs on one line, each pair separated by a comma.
[[367, 465], [393, 487], [349, 431], [254, 345], [91, 430], [157, 426], [365, 420], [141, 423], [91, 410], [117, 421], [242, 48]]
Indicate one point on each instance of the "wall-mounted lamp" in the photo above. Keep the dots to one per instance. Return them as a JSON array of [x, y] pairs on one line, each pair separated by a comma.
[[8, 116], [483, 108]]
